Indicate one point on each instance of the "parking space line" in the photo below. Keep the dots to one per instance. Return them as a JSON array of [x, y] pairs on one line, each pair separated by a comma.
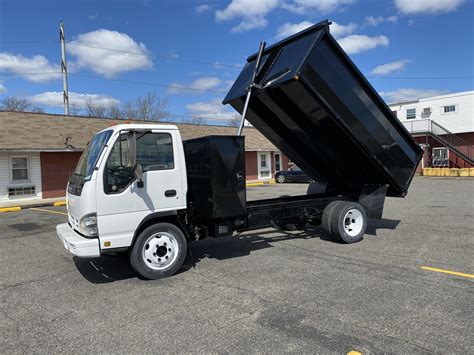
[[462, 274], [43, 210]]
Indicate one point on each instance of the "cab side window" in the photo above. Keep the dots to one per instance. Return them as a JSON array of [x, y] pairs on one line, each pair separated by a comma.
[[154, 152]]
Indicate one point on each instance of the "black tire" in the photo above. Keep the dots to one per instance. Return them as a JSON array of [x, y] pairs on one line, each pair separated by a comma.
[[154, 235], [346, 229], [281, 179], [327, 216]]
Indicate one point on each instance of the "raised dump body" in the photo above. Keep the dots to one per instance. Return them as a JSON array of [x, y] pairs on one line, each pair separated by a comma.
[[312, 102]]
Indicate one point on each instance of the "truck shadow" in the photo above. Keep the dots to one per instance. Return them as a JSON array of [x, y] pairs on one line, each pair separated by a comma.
[[108, 269]]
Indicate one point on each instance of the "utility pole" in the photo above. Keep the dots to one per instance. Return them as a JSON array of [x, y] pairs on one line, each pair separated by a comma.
[[64, 68]]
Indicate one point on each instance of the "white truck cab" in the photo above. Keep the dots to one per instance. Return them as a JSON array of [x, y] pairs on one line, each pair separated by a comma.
[[106, 202]]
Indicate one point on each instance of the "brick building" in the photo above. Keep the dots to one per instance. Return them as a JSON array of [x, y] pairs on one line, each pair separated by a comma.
[[39, 151]]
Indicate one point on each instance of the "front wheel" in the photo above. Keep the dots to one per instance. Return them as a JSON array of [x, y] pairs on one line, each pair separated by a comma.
[[159, 251]]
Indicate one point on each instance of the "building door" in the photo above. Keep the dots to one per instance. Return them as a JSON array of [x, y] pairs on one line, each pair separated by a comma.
[[264, 166], [277, 157]]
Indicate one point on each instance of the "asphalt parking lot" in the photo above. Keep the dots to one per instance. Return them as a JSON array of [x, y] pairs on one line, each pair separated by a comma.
[[263, 291]]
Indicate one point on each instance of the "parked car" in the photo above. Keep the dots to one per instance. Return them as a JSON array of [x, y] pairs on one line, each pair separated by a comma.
[[293, 174]]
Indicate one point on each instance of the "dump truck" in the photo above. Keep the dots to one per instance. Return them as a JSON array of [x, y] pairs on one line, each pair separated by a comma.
[[140, 188]]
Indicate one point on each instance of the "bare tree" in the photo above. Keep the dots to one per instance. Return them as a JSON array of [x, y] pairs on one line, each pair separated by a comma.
[[196, 120], [94, 110], [114, 111], [20, 104], [150, 107], [147, 108], [74, 109], [234, 122]]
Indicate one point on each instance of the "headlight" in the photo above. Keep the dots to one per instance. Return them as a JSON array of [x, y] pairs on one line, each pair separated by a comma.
[[88, 225]]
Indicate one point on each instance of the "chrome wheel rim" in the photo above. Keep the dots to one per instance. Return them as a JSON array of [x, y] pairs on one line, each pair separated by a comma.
[[281, 178], [160, 251], [353, 222]]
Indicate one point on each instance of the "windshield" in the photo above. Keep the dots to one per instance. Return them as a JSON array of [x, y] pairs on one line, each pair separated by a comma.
[[89, 157]]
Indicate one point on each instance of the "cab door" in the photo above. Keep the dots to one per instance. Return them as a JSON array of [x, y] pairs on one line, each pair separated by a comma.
[[122, 203]]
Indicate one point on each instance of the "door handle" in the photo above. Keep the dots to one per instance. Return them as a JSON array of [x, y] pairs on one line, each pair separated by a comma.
[[170, 193]]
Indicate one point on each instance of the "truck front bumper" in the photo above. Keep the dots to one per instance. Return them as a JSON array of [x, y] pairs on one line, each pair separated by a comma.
[[77, 244]]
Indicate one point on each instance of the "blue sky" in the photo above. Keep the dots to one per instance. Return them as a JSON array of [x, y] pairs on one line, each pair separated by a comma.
[[119, 50]]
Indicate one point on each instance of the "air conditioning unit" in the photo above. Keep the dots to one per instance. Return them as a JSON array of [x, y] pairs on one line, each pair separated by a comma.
[[427, 110]]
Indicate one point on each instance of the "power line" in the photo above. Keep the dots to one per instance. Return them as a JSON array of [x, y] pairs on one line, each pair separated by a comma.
[[144, 54], [177, 87], [215, 64], [420, 77], [183, 87]]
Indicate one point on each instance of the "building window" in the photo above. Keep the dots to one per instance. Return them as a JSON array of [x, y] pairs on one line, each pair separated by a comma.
[[19, 168], [450, 108], [21, 191], [411, 113], [263, 160], [277, 162]]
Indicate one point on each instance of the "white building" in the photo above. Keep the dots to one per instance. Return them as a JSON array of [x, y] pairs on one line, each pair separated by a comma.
[[443, 125], [452, 111]]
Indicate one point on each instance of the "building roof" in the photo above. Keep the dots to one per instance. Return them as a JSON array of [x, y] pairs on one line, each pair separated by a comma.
[[431, 98], [26, 131]]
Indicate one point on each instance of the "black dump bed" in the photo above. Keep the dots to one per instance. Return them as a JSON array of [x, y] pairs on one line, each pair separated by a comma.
[[315, 105]]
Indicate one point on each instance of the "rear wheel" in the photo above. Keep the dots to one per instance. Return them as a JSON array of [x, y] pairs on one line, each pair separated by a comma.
[[281, 179], [348, 222], [159, 251], [327, 216]]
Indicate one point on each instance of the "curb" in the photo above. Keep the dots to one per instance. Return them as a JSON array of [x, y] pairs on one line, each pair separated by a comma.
[[10, 209], [260, 183], [39, 204]]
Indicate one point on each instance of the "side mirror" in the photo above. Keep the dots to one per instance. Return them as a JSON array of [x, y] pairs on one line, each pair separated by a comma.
[[137, 171], [131, 150]]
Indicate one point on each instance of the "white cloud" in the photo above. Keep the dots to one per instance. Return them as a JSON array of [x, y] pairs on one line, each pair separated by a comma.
[[359, 43], [211, 110], [93, 17], [3, 89], [338, 30], [199, 85], [388, 68], [109, 53], [250, 12], [55, 99], [392, 19], [408, 94], [250, 24], [202, 8], [288, 29], [37, 68], [302, 7], [427, 6], [246, 9], [375, 21]]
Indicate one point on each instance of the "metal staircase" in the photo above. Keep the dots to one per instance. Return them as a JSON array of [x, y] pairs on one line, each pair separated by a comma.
[[434, 130]]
